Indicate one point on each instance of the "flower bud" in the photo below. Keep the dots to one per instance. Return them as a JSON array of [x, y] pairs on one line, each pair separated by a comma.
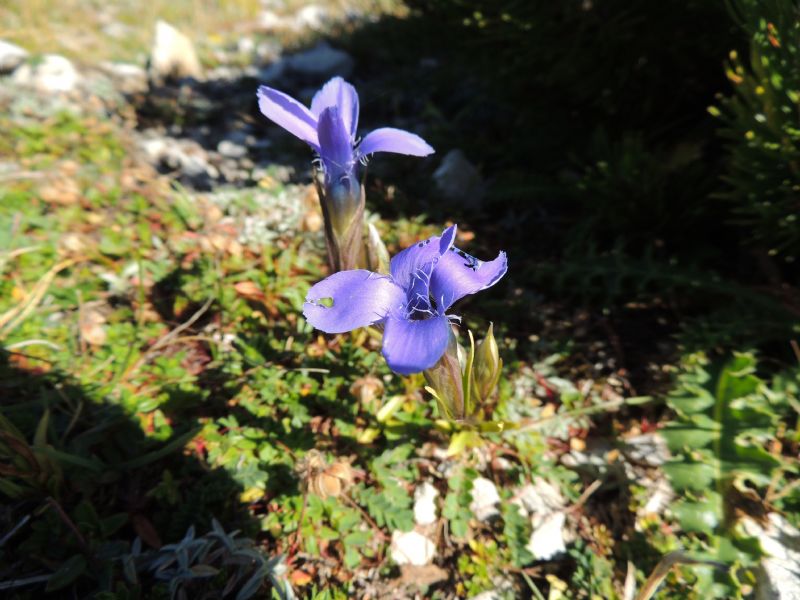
[[342, 204], [344, 199], [487, 367], [377, 254], [446, 383]]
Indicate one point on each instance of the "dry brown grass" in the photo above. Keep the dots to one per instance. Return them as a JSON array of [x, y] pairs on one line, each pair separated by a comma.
[[88, 31]]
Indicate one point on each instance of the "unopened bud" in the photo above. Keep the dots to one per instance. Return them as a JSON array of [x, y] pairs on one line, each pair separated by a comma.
[[377, 254], [446, 383], [487, 367], [343, 212], [343, 199]]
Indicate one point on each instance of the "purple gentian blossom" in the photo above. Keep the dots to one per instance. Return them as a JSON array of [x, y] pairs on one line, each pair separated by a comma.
[[411, 303], [329, 127]]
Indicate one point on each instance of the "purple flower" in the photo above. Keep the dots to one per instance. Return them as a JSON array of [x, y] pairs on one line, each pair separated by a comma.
[[329, 127], [411, 303]]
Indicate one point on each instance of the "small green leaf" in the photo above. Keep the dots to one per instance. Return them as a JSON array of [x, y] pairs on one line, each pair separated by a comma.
[[699, 516]]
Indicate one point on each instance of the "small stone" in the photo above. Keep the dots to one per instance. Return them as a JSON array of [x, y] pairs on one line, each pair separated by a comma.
[[649, 448], [269, 21], [173, 55], [484, 499], [547, 539], [312, 16], [660, 494], [539, 497], [459, 180], [321, 61], [185, 156], [128, 78], [53, 73], [778, 577], [11, 56], [425, 504], [231, 149], [411, 548], [545, 504]]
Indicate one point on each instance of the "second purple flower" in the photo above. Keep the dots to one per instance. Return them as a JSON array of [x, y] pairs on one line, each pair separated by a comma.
[[411, 303]]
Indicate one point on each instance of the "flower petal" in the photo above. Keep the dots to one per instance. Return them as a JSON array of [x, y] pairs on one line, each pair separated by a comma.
[[413, 346], [412, 267], [289, 114], [336, 147], [458, 274], [359, 297], [337, 92], [389, 139]]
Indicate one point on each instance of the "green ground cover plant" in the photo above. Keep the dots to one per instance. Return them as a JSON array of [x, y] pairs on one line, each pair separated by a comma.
[[173, 426]]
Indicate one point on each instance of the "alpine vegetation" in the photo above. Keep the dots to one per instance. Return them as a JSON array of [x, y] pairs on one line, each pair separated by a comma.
[[330, 128], [410, 303]]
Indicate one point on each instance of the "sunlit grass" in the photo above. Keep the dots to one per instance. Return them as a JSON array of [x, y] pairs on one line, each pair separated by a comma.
[[89, 30]]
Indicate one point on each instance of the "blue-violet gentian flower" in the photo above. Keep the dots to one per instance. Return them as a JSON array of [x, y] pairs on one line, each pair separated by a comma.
[[411, 303], [329, 127]]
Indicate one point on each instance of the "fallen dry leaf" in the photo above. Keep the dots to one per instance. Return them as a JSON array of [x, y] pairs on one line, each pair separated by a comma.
[[249, 290], [63, 191], [91, 323]]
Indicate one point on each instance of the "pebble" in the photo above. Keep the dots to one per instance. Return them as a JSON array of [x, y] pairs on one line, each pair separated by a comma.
[[543, 502], [320, 62], [231, 149], [11, 56], [53, 73], [411, 548], [778, 578], [484, 499], [425, 504], [457, 179], [127, 78], [173, 55], [185, 156]]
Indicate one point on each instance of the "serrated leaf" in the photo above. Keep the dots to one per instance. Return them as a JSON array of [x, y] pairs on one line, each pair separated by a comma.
[[689, 475], [683, 436], [699, 516]]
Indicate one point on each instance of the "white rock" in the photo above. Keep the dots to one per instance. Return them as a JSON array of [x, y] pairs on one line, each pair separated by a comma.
[[539, 497], [545, 504], [184, 155], [269, 21], [484, 499], [231, 149], [411, 548], [778, 577], [547, 539], [649, 448], [487, 595], [128, 78], [173, 54], [321, 61], [311, 16], [458, 179], [425, 504], [660, 495], [53, 73], [11, 56]]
